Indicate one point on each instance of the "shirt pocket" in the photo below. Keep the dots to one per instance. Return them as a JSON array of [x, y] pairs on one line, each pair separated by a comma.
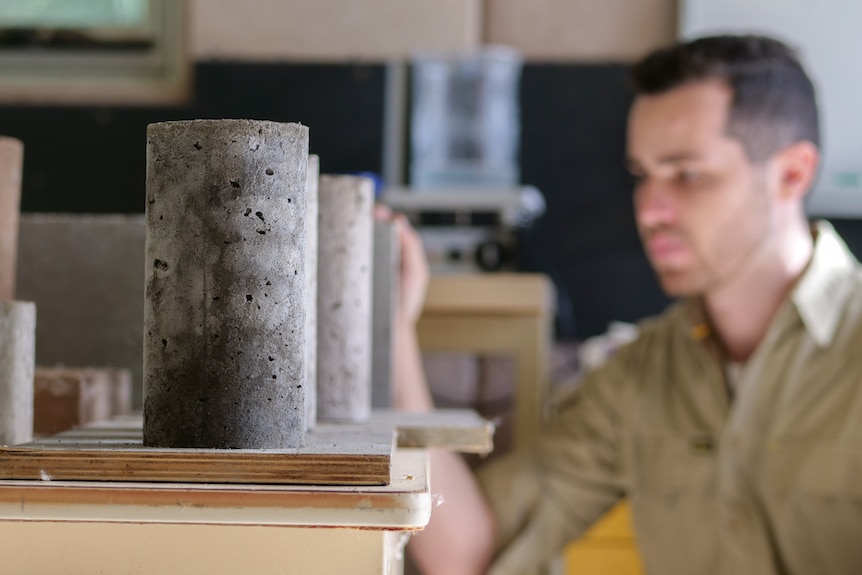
[[828, 469], [672, 495], [812, 492], [673, 466]]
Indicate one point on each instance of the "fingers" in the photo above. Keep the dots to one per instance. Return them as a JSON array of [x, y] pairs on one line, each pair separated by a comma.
[[413, 253], [414, 265], [382, 213]]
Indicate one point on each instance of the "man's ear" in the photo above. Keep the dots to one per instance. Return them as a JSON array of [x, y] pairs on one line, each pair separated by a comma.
[[797, 167]]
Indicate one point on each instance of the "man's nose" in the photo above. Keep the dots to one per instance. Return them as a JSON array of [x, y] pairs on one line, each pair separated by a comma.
[[654, 204]]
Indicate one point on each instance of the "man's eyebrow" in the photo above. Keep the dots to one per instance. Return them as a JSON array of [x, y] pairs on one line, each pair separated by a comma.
[[633, 164], [680, 157]]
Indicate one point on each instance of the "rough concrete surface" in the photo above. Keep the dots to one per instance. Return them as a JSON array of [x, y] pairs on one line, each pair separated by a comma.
[[17, 362], [311, 291], [344, 298], [224, 314]]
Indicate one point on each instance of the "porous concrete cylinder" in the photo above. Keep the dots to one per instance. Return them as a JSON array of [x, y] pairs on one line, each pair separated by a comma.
[[344, 298], [224, 314], [11, 161], [17, 357], [311, 291]]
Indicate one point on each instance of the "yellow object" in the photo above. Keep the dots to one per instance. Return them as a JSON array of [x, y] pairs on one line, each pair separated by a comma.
[[609, 548]]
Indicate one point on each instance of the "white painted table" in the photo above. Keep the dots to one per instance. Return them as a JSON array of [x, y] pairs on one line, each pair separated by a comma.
[[88, 528]]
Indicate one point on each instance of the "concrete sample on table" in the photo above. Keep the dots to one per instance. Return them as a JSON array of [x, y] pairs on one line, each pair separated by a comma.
[[11, 162], [386, 280], [83, 271], [344, 298], [224, 314], [311, 233], [17, 360]]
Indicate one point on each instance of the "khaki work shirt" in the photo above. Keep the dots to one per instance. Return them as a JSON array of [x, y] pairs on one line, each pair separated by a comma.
[[770, 483]]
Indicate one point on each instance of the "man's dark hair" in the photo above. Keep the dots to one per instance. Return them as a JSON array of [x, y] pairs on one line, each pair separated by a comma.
[[773, 105]]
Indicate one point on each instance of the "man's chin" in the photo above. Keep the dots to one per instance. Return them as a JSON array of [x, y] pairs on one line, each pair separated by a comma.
[[677, 285]]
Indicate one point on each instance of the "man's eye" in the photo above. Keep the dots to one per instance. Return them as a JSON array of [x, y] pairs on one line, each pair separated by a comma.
[[688, 176]]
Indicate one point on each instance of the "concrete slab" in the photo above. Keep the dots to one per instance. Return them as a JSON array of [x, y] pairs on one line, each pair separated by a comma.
[[86, 275]]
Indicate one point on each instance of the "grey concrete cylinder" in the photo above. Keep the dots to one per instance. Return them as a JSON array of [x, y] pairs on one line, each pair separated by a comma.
[[11, 162], [311, 292], [385, 283], [344, 298], [17, 358], [224, 314]]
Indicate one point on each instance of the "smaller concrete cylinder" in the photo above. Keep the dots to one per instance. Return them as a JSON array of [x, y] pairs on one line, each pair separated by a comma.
[[344, 298], [311, 291], [11, 161], [17, 357]]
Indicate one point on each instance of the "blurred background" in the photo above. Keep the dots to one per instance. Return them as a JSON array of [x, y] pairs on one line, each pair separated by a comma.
[[377, 82], [82, 79], [532, 95]]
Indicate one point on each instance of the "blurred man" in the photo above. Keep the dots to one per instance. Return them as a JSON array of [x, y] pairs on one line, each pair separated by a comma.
[[733, 424]]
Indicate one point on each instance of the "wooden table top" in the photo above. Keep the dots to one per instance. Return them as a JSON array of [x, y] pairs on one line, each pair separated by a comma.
[[404, 503]]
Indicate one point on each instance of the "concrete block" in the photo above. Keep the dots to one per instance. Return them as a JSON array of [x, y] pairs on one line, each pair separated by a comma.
[[17, 342], [84, 272]]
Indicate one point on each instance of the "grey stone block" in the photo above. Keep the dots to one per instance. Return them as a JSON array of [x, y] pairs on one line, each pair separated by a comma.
[[17, 342], [85, 272]]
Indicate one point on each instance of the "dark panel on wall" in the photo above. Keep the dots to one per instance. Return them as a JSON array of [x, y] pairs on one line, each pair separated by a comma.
[[851, 233], [573, 150], [92, 159]]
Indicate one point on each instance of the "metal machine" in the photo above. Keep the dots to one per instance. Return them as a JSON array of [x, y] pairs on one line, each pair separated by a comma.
[[468, 229]]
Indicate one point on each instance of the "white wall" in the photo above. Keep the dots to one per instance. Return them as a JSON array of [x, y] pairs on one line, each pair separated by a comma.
[[331, 30], [544, 30], [828, 34]]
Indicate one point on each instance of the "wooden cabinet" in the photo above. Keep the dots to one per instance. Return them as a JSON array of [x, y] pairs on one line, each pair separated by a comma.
[[496, 313]]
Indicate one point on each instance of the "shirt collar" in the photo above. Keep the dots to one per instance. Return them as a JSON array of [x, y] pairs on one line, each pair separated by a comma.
[[822, 291], [819, 296]]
